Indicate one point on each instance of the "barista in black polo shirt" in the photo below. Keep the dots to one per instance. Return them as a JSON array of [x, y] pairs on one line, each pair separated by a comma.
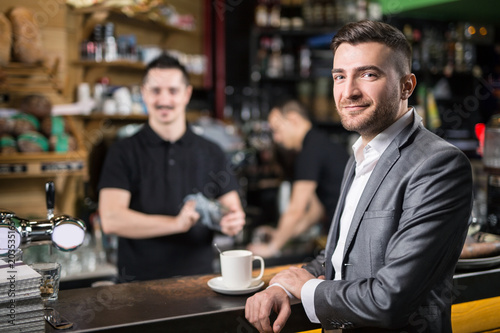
[[146, 177], [318, 170]]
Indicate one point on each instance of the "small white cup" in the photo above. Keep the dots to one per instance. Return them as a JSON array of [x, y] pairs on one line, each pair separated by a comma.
[[236, 268]]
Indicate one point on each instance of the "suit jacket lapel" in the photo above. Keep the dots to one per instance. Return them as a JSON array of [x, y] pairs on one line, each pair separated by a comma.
[[334, 227], [384, 165], [378, 175]]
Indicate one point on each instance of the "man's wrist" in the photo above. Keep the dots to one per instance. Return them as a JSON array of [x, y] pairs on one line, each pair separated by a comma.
[[280, 286]]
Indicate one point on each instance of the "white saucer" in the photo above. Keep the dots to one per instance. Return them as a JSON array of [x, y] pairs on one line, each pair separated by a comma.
[[217, 285]]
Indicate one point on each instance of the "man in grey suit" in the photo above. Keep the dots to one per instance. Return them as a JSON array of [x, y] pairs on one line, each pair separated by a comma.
[[402, 217]]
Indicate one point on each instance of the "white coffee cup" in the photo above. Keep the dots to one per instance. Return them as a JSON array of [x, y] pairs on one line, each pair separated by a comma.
[[236, 268]]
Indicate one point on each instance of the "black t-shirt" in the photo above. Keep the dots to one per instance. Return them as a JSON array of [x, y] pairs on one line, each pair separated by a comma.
[[159, 175], [322, 161]]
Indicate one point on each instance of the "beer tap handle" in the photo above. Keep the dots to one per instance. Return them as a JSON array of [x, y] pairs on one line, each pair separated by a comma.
[[50, 193]]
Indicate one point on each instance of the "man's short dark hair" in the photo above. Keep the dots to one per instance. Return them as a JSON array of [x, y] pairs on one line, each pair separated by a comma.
[[292, 105], [166, 61], [371, 31]]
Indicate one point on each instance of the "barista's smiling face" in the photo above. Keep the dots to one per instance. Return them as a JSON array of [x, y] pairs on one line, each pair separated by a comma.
[[166, 95]]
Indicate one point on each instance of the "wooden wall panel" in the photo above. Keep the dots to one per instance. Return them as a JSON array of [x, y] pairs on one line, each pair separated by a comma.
[[51, 18]]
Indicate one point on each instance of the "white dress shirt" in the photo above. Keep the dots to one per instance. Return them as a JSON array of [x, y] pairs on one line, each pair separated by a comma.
[[366, 159]]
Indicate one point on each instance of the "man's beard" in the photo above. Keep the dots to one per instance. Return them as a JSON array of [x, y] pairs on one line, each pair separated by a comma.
[[381, 118]]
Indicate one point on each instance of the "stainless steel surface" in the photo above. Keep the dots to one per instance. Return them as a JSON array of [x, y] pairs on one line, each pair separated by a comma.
[[50, 194], [70, 230]]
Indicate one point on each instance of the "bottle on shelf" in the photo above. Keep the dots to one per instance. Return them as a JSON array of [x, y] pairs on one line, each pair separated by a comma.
[[275, 64], [263, 54], [110, 46], [318, 10], [274, 14], [261, 14], [307, 12], [98, 42], [330, 13], [362, 10], [321, 105], [288, 60], [305, 61]]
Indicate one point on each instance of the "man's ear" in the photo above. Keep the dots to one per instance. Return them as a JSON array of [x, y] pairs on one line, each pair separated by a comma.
[[408, 83], [189, 92]]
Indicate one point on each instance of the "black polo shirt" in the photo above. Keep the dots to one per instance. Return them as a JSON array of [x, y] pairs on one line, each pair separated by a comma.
[[159, 175], [323, 161]]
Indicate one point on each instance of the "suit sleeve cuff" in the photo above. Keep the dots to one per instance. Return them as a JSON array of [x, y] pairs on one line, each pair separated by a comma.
[[307, 295]]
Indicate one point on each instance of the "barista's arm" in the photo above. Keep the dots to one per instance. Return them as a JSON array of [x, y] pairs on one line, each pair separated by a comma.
[[118, 219], [314, 213], [295, 220], [304, 210], [232, 222]]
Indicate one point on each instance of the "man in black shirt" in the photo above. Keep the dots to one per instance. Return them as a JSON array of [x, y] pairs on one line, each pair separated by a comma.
[[318, 171], [146, 178]]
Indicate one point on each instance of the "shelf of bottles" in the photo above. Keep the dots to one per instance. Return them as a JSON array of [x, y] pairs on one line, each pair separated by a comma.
[[288, 32], [455, 65], [290, 53], [446, 48]]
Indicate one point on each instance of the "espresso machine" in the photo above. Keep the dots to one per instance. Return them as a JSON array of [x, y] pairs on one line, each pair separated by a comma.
[[66, 233], [491, 162]]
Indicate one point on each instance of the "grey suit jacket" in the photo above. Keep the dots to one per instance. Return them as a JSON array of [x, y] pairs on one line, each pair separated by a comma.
[[404, 241]]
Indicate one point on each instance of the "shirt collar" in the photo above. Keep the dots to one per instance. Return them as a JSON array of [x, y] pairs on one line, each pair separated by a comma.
[[383, 139], [186, 139]]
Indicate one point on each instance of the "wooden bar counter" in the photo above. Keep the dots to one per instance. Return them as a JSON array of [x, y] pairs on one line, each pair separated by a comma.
[[187, 304]]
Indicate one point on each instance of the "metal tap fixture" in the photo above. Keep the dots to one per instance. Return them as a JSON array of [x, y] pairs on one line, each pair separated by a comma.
[[65, 232]]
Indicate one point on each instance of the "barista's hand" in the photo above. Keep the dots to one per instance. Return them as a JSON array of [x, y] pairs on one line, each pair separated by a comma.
[[187, 216], [232, 223], [265, 250]]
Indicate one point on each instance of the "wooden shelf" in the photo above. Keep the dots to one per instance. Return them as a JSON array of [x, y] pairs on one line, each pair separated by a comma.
[[110, 64], [23, 176], [149, 29], [197, 80], [46, 164], [133, 117], [99, 14], [20, 80]]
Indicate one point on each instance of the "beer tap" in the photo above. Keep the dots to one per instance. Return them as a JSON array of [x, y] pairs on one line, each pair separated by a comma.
[[50, 194], [65, 232]]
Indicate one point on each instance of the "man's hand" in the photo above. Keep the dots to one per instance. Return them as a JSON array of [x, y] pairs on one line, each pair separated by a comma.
[[293, 279], [187, 216], [259, 306], [232, 223]]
